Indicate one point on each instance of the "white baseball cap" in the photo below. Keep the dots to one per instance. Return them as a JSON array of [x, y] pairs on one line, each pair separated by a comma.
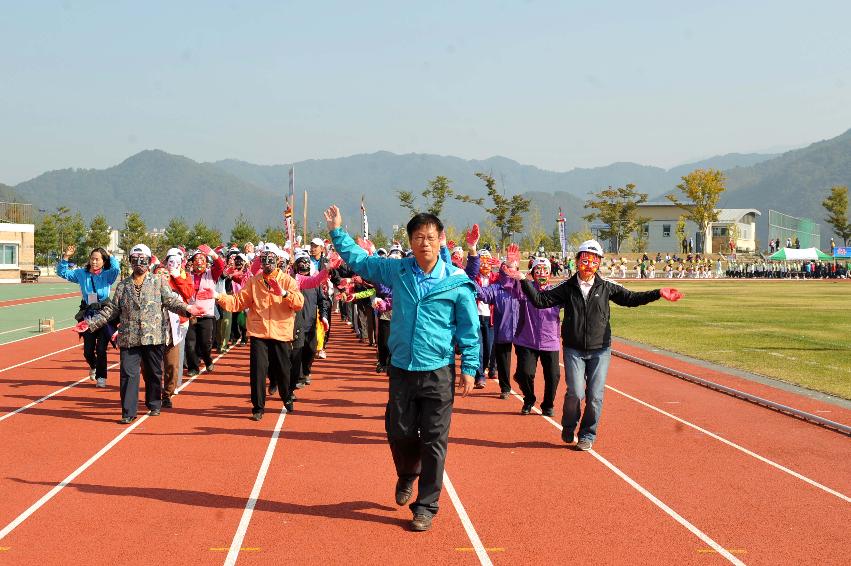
[[592, 246], [174, 252], [538, 261], [141, 249], [318, 242]]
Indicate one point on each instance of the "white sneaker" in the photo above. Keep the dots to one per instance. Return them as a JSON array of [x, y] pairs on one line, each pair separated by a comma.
[[321, 354], [101, 382], [93, 374]]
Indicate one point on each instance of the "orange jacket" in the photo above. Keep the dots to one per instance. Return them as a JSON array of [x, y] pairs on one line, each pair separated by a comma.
[[269, 316]]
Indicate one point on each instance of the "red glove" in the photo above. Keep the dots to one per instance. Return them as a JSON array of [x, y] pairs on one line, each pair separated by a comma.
[[325, 325], [450, 244], [511, 272], [195, 310], [495, 262], [473, 236], [219, 249], [670, 294], [81, 327], [334, 260], [512, 254], [205, 249], [204, 294], [275, 287]]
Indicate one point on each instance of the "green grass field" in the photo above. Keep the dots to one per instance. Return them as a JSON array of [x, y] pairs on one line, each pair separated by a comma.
[[794, 331], [21, 321]]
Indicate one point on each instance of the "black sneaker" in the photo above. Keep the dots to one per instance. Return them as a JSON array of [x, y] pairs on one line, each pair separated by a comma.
[[210, 368], [257, 416], [505, 395], [526, 409], [404, 490], [126, 420], [289, 406], [307, 379], [547, 412], [421, 522], [568, 437], [379, 368], [192, 372], [154, 412], [273, 389], [299, 384], [167, 403]]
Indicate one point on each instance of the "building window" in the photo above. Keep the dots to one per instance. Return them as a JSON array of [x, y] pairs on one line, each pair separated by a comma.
[[719, 231], [9, 256], [666, 230]]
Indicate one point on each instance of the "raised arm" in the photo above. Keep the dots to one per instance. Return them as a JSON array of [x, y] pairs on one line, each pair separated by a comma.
[[369, 267]]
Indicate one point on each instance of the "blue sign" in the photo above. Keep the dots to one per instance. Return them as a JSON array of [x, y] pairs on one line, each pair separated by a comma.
[[844, 253]]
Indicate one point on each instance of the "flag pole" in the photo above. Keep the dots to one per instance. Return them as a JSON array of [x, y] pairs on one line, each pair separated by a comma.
[[304, 226]]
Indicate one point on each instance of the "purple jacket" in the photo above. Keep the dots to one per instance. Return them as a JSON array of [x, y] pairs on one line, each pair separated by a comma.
[[538, 329], [505, 309]]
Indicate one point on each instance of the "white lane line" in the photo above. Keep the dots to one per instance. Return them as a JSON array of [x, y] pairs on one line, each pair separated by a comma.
[[73, 475], [40, 357], [465, 520], [39, 335], [736, 446], [732, 444], [653, 499], [239, 536], [46, 397]]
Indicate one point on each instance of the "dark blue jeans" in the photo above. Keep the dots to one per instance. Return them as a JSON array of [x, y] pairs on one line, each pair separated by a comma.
[[585, 375], [486, 358]]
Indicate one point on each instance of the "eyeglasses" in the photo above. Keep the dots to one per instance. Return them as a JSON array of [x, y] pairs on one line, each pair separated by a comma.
[[421, 239]]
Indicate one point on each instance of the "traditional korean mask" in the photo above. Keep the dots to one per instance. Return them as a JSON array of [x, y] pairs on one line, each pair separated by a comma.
[[587, 264], [541, 274], [199, 263], [302, 266], [269, 262], [139, 263]]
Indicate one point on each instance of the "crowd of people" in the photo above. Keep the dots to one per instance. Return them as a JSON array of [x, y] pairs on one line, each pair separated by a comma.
[[441, 319]]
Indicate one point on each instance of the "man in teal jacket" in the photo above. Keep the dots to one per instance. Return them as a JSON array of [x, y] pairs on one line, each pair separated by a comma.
[[434, 309]]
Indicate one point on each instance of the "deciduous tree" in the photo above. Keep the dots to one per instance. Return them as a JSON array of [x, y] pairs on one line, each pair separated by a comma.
[[702, 189], [617, 208], [506, 214], [837, 212]]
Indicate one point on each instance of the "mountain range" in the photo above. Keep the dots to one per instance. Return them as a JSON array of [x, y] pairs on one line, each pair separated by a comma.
[[160, 186]]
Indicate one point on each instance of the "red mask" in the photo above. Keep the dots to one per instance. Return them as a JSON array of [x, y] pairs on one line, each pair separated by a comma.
[[587, 264], [541, 275], [485, 266]]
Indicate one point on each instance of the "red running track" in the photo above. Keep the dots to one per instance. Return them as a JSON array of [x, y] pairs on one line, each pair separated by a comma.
[[13, 302], [174, 489]]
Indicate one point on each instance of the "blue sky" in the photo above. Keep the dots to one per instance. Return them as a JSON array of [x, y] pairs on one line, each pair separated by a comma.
[[553, 84]]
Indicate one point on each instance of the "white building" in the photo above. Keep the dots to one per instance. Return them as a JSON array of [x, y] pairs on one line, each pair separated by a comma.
[[662, 229]]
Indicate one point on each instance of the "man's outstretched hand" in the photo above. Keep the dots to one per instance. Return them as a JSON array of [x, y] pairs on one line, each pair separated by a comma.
[[333, 217], [512, 254], [670, 294]]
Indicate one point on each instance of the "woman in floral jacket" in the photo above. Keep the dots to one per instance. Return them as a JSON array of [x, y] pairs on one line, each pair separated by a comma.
[[138, 303]]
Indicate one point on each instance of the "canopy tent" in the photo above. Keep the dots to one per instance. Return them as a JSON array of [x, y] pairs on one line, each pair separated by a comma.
[[792, 254]]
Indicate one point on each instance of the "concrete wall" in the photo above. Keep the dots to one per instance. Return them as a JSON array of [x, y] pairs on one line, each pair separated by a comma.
[[23, 237]]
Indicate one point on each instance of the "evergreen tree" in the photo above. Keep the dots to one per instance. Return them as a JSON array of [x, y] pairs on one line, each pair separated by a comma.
[[46, 240], [203, 234], [176, 234], [243, 231], [135, 232], [98, 235], [274, 234]]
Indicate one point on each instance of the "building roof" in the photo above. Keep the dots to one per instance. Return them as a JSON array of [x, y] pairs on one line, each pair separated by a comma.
[[735, 214]]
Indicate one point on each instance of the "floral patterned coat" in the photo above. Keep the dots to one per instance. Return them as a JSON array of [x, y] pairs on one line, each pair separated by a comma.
[[142, 318]]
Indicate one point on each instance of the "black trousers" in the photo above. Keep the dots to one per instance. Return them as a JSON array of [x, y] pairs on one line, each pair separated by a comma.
[[382, 332], [270, 357], [524, 374], [94, 350], [132, 360], [199, 343], [417, 419], [308, 351], [502, 353], [366, 319]]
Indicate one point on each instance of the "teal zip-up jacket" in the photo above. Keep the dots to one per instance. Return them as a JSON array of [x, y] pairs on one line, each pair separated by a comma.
[[423, 331], [89, 282]]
